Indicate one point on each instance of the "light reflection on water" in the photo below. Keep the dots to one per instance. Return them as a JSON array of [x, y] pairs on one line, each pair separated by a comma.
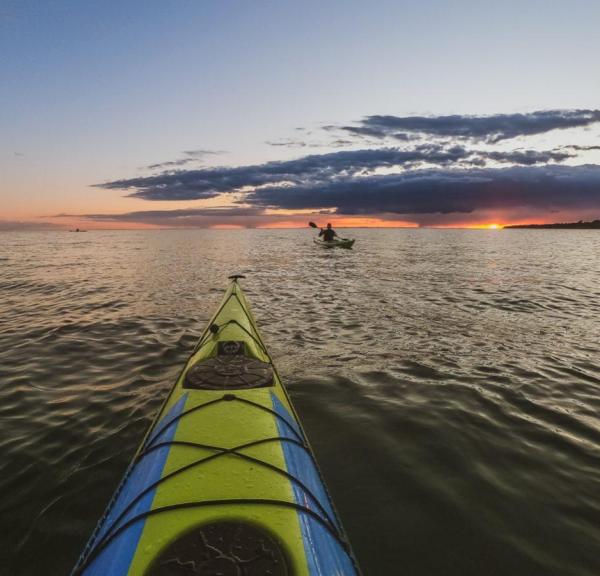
[[449, 382]]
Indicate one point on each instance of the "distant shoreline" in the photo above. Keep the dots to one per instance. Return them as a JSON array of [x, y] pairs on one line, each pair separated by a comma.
[[581, 225]]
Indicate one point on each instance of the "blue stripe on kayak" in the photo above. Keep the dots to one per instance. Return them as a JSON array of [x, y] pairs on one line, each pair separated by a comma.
[[324, 555], [117, 557]]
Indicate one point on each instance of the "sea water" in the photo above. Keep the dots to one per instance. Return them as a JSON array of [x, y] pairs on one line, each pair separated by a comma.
[[449, 382]]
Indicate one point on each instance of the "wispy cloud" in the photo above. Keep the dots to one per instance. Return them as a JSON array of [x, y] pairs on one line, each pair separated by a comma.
[[492, 128], [246, 216], [287, 143], [297, 143], [581, 148], [188, 157], [16, 225], [525, 157]]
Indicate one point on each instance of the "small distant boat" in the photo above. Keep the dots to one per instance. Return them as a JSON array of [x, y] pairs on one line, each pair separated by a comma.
[[77, 230], [335, 243]]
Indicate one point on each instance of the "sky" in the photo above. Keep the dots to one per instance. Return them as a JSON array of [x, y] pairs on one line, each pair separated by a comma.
[[191, 113]]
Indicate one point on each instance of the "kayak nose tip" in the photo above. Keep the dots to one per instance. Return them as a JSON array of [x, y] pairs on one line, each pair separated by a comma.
[[235, 277]]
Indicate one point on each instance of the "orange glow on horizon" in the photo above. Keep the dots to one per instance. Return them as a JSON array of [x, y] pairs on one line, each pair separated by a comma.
[[340, 222], [483, 226], [488, 221]]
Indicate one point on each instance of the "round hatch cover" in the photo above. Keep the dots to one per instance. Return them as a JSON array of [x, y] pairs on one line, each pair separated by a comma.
[[236, 372], [222, 549]]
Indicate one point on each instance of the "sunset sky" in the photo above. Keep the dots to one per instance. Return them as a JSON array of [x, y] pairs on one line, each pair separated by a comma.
[[264, 113]]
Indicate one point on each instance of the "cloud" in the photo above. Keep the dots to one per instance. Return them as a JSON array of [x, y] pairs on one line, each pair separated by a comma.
[[296, 143], [527, 157], [188, 157], [149, 215], [375, 132], [309, 170], [581, 148], [544, 188], [492, 128], [287, 143], [245, 216]]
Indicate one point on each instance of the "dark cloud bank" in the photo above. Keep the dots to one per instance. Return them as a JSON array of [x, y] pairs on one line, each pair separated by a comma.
[[316, 169], [546, 188], [412, 193]]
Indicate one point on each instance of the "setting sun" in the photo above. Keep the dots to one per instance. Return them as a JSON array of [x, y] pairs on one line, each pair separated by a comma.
[[493, 226]]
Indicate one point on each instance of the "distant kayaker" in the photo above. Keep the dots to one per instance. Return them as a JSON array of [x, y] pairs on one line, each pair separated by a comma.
[[328, 233]]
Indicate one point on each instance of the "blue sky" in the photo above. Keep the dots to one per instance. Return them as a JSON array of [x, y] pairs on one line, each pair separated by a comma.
[[93, 92]]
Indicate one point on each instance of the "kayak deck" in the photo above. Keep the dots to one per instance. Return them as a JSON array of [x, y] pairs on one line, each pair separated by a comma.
[[224, 481]]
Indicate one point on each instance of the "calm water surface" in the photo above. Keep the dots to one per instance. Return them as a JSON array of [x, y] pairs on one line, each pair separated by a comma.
[[448, 380]]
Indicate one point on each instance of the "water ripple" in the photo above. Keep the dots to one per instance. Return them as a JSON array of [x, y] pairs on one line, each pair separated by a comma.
[[449, 382]]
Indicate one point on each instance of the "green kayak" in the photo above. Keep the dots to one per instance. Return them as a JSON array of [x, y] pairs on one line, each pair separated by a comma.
[[335, 243], [224, 482]]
